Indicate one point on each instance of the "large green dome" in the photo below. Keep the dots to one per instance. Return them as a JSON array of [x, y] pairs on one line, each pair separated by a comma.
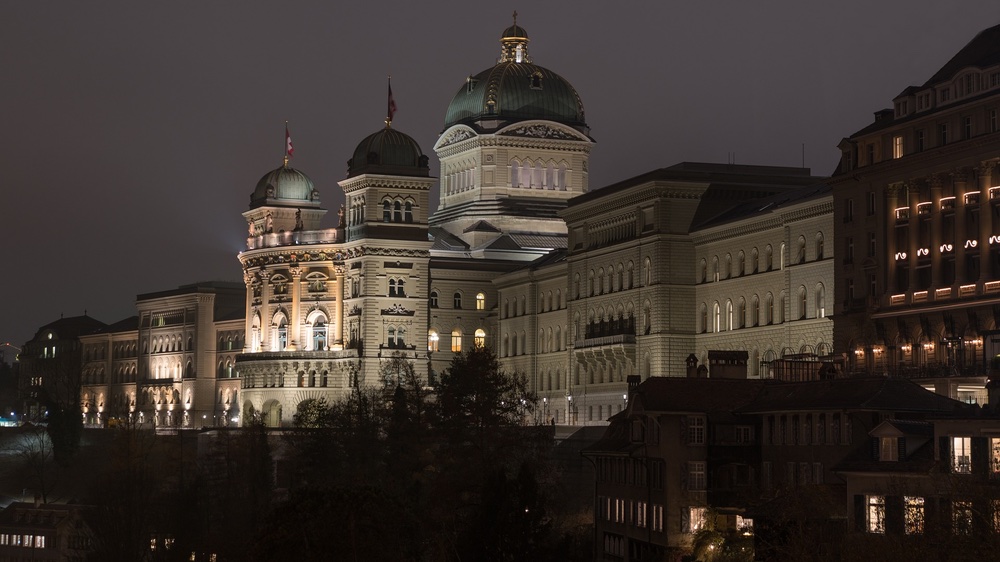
[[388, 152], [286, 186], [515, 89]]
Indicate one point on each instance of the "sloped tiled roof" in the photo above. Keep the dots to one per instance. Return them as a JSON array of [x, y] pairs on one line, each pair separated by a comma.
[[876, 393]]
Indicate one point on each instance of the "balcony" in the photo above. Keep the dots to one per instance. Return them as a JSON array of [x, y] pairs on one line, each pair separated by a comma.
[[606, 349], [293, 238]]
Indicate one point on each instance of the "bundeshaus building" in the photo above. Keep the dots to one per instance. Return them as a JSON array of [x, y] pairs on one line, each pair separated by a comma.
[[577, 288], [889, 267]]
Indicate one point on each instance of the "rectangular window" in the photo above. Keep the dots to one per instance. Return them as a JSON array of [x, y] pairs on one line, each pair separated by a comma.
[[995, 457], [920, 140], [744, 434], [871, 203], [657, 517], [875, 514], [961, 455], [849, 210], [696, 430], [967, 127], [849, 255], [693, 519], [888, 449], [696, 475], [993, 121], [913, 515], [640, 514], [456, 342], [872, 246], [961, 517], [817, 473], [942, 134], [897, 146]]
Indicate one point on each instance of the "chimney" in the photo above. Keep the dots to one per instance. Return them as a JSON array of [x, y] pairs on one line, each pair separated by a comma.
[[692, 366]]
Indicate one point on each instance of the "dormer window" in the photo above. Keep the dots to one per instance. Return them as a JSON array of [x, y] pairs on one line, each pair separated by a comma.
[[536, 81], [889, 448], [470, 84], [519, 53]]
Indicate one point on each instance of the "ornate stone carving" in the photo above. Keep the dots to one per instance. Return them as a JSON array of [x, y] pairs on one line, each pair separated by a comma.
[[539, 131], [397, 310], [457, 135]]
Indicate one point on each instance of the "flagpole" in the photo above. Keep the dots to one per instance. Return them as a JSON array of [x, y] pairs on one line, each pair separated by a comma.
[[285, 147]]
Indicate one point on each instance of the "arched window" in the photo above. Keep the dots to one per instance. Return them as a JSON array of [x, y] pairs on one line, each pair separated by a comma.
[[741, 260], [397, 212], [319, 335], [781, 257], [649, 271], [716, 314], [456, 341], [729, 315], [753, 260], [728, 271], [480, 301], [457, 300], [802, 250], [401, 337], [802, 303], [432, 340], [392, 287], [741, 313], [769, 309], [715, 268], [408, 212], [561, 178], [703, 316], [434, 299], [386, 211], [819, 245], [781, 308], [703, 273], [514, 177], [755, 311], [767, 258], [576, 285], [480, 339], [820, 301]]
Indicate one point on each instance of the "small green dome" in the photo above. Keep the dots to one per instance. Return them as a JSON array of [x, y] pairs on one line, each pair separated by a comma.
[[284, 185], [388, 152], [515, 89]]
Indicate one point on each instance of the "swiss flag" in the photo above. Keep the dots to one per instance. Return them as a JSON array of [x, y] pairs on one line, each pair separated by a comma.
[[289, 149]]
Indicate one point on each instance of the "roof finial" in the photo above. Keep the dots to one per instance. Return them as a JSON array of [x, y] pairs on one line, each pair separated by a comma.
[[515, 17]]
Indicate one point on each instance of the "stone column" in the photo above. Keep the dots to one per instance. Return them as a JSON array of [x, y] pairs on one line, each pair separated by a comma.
[[338, 308], [985, 219], [936, 259], [959, 235], [914, 231], [265, 309], [892, 200], [296, 329], [248, 279]]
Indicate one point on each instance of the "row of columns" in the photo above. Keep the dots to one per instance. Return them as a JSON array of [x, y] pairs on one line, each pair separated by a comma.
[[295, 321], [985, 174]]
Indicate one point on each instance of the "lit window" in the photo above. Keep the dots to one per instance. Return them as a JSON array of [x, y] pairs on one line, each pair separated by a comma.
[[480, 340], [995, 457], [875, 514], [693, 519], [456, 341], [889, 449], [897, 147], [480, 301], [696, 430], [961, 455], [696, 475], [961, 517], [913, 515], [432, 341]]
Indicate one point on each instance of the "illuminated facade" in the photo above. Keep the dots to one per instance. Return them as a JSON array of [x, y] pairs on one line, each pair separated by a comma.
[[653, 274], [916, 207], [173, 365]]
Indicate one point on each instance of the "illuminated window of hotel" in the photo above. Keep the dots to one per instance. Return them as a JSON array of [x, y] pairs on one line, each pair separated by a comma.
[[897, 146], [961, 517], [456, 341], [888, 449], [693, 519], [480, 339], [696, 430], [875, 514], [961, 455], [995, 457], [480, 301], [913, 515]]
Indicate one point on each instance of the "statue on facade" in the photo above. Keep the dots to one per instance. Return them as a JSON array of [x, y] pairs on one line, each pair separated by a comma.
[[268, 223], [298, 219], [340, 215], [252, 230]]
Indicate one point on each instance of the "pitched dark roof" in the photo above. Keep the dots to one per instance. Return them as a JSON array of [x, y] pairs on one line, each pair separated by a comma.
[[129, 324], [982, 51], [767, 204], [71, 327], [678, 394], [876, 393]]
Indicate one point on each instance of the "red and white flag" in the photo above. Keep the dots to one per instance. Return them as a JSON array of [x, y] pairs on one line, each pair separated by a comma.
[[289, 149], [392, 104]]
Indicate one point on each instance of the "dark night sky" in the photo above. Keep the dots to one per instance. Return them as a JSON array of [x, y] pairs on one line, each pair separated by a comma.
[[132, 133]]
